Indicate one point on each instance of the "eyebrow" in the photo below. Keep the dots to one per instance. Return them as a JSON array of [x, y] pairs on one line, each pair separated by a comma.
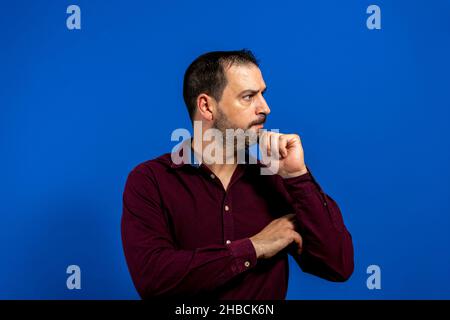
[[251, 91]]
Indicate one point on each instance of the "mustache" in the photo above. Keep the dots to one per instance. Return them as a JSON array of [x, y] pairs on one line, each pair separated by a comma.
[[262, 119]]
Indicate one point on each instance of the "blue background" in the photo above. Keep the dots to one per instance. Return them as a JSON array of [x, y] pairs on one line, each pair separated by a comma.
[[79, 109]]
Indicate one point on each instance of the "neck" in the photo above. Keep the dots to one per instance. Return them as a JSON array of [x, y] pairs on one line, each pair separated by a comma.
[[220, 167]]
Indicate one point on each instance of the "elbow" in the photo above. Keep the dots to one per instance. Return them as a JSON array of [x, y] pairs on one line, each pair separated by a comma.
[[149, 291], [346, 264], [146, 291], [151, 287], [337, 272], [154, 292], [335, 268], [147, 282], [334, 272], [155, 287], [345, 272]]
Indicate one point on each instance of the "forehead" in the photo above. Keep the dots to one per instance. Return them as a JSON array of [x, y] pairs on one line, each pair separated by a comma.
[[244, 77]]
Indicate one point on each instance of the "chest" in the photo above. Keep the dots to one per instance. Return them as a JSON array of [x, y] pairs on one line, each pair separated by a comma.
[[202, 213]]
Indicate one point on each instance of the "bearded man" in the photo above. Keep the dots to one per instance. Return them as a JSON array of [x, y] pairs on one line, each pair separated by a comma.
[[206, 226]]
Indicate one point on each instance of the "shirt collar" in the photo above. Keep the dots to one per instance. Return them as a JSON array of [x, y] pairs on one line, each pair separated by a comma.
[[194, 162]]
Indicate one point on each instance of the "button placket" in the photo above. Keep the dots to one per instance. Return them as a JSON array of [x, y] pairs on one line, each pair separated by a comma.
[[228, 221]]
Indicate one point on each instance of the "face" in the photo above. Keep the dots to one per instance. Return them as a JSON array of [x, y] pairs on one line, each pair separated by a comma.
[[242, 104]]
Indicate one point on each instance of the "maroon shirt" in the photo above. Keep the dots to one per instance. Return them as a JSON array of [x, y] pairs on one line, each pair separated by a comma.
[[184, 235]]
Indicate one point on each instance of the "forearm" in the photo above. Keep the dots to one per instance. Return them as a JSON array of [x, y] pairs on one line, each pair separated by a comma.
[[327, 244], [160, 270]]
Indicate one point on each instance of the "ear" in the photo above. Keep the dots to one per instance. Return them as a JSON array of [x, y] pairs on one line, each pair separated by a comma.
[[205, 106]]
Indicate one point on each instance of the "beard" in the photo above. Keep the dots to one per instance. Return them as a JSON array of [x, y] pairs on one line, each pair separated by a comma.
[[235, 136]]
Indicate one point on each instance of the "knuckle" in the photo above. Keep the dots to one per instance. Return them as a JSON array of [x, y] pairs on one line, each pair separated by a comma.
[[288, 226], [291, 234]]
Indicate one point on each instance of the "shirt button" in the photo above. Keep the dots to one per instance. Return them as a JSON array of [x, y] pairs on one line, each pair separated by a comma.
[[247, 264], [227, 208], [212, 176], [325, 204], [228, 242]]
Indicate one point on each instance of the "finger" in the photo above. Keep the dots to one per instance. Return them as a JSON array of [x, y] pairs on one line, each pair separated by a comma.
[[298, 240], [293, 139], [292, 220], [295, 223], [289, 216], [268, 144], [283, 146], [263, 145], [275, 145], [289, 224]]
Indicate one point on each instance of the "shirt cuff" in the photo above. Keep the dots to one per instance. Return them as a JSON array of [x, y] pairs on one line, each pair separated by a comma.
[[244, 253], [301, 185]]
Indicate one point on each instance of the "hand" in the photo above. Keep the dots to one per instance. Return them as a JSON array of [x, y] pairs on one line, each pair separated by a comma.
[[277, 235], [284, 152]]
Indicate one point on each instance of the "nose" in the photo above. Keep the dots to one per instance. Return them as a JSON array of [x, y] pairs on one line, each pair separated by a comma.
[[262, 106]]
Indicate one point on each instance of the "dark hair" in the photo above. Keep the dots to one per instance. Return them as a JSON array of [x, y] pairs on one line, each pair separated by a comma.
[[206, 74]]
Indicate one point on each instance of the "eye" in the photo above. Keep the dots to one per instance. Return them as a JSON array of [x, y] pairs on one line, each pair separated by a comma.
[[248, 97]]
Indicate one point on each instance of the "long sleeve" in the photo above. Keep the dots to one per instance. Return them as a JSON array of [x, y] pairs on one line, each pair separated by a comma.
[[158, 267], [327, 244]]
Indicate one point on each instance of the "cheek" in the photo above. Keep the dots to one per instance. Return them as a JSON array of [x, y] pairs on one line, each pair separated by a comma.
[[243, 117], [247, 115], [240, 115]]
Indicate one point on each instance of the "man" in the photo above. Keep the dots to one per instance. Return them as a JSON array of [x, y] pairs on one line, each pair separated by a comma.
[[223, 230]]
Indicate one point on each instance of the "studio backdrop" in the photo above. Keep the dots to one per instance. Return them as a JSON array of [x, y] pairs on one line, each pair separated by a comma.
[[90, 89]]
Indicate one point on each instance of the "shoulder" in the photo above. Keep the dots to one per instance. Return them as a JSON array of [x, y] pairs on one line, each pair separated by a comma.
[[161, 163], [144, 179], [150, 170]]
